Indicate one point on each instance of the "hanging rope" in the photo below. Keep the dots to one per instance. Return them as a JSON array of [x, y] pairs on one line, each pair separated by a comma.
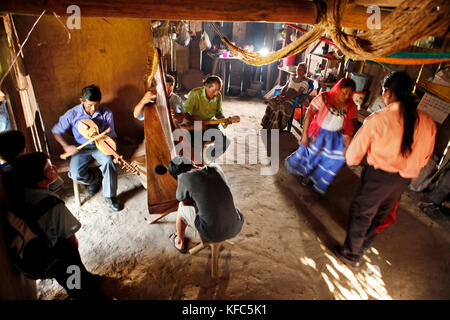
[[323, 39], [256, 59], [403, 58], [430, 17], [152, 66]]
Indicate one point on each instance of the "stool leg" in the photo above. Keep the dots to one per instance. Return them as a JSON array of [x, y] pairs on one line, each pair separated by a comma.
[[197, 248], [227, 244], [76, 194], [215, 251]]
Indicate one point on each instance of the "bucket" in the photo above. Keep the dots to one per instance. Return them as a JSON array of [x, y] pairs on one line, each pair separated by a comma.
[[289, 61], [358, 98], [360, 80]]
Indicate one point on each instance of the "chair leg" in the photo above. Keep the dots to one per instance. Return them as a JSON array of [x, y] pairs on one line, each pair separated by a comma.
[[76, 194], [289, 126]]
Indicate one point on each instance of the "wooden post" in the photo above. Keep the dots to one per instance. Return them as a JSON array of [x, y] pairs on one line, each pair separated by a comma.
[[417, 79]]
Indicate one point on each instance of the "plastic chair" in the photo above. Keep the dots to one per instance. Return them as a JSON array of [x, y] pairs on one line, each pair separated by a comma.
[[310, 89], [301, 106]]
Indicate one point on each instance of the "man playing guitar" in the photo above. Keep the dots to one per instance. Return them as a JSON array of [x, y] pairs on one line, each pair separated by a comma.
[[205, 103]]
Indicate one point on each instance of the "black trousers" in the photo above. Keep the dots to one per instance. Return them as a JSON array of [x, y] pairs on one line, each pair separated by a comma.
[[376, 195], [62, 270], [221, 143]]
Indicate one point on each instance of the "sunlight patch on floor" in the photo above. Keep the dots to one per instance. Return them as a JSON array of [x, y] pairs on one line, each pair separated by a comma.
[[347, 284]]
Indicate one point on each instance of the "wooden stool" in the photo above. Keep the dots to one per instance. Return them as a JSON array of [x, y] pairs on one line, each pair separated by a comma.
[[215, 250], [76, 190]]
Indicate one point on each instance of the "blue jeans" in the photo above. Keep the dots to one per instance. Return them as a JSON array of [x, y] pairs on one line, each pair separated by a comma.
[[79, 170]]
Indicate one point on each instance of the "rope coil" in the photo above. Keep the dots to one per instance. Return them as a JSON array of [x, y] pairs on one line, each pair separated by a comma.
[[368, 45]]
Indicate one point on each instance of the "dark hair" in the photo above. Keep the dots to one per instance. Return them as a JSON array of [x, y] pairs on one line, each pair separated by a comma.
[[303, 65], [12, 143], [29, 169], [91, 93], [170, 78], [178, 165], [400, 84], [347, 83], [211, 79]]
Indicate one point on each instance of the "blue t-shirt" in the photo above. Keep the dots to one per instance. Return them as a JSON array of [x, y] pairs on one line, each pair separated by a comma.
[[175, 103], [103, 117]]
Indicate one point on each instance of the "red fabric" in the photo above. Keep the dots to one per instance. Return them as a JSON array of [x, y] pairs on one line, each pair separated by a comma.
[[349, 126], [390, 219], [298, 114], [323, 101]]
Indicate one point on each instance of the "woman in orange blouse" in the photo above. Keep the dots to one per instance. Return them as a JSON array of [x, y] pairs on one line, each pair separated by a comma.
[[397, 143]]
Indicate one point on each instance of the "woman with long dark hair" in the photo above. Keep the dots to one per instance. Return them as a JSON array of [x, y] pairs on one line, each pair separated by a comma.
[[397, 143], [327, 131]]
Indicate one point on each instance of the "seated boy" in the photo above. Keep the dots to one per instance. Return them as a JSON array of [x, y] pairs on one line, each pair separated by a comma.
[[45, 213]]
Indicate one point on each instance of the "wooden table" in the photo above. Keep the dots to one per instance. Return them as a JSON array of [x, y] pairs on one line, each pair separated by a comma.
[[362, 115], [224, 66]]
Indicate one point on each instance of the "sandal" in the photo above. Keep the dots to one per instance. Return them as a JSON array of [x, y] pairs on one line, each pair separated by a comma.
[[172, 238]]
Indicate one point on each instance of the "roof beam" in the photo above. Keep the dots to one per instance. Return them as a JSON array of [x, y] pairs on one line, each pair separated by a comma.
[[289, 11]]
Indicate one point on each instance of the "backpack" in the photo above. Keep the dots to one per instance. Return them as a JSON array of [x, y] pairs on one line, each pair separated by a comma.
[[27, 243]]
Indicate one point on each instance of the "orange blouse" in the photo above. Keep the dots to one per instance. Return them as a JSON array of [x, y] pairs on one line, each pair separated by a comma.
[[380, 139]]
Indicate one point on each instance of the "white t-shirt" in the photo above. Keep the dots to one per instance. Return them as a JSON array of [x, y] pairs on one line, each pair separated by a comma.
[[299, 86]]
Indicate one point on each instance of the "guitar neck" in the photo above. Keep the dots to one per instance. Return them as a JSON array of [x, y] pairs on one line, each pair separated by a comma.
[[209, 122], [119, 158], [216, 121]]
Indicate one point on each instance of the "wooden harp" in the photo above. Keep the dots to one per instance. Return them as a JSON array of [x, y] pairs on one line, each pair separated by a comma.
[[159, 149]]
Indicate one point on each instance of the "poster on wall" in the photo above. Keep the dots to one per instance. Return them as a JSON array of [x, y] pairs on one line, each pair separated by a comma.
[[437, 108]]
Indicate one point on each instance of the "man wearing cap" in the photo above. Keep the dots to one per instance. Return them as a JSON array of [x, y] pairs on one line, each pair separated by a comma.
[[206, 203]]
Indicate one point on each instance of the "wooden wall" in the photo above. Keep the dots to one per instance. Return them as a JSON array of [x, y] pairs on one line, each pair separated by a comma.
[[376, 75], [111, 53]]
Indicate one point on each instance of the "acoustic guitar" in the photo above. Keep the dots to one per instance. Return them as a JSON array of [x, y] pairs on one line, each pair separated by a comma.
[[104, 143], [190, 125]]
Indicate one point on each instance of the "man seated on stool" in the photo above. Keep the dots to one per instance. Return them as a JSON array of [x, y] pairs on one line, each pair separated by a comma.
[[205, 103], [206, 203], [90, 108]]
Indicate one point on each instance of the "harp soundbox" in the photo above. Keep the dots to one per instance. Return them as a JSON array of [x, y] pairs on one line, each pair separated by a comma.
[[159, 149]]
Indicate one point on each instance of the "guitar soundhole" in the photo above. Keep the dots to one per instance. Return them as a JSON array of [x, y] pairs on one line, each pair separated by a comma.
[[160, 169]]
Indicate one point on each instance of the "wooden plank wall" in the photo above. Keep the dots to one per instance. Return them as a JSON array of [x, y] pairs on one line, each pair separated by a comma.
[[111, 53]]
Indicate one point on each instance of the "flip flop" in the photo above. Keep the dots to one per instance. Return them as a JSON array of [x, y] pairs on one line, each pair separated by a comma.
[[172, 238]]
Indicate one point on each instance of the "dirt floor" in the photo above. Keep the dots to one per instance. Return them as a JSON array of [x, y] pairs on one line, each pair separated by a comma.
[[283, 251]]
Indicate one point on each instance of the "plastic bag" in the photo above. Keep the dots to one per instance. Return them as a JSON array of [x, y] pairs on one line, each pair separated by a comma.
[[183, 36], [205, 43]]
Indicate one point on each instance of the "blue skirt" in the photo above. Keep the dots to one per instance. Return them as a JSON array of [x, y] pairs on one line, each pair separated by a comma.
[[319, 161]]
